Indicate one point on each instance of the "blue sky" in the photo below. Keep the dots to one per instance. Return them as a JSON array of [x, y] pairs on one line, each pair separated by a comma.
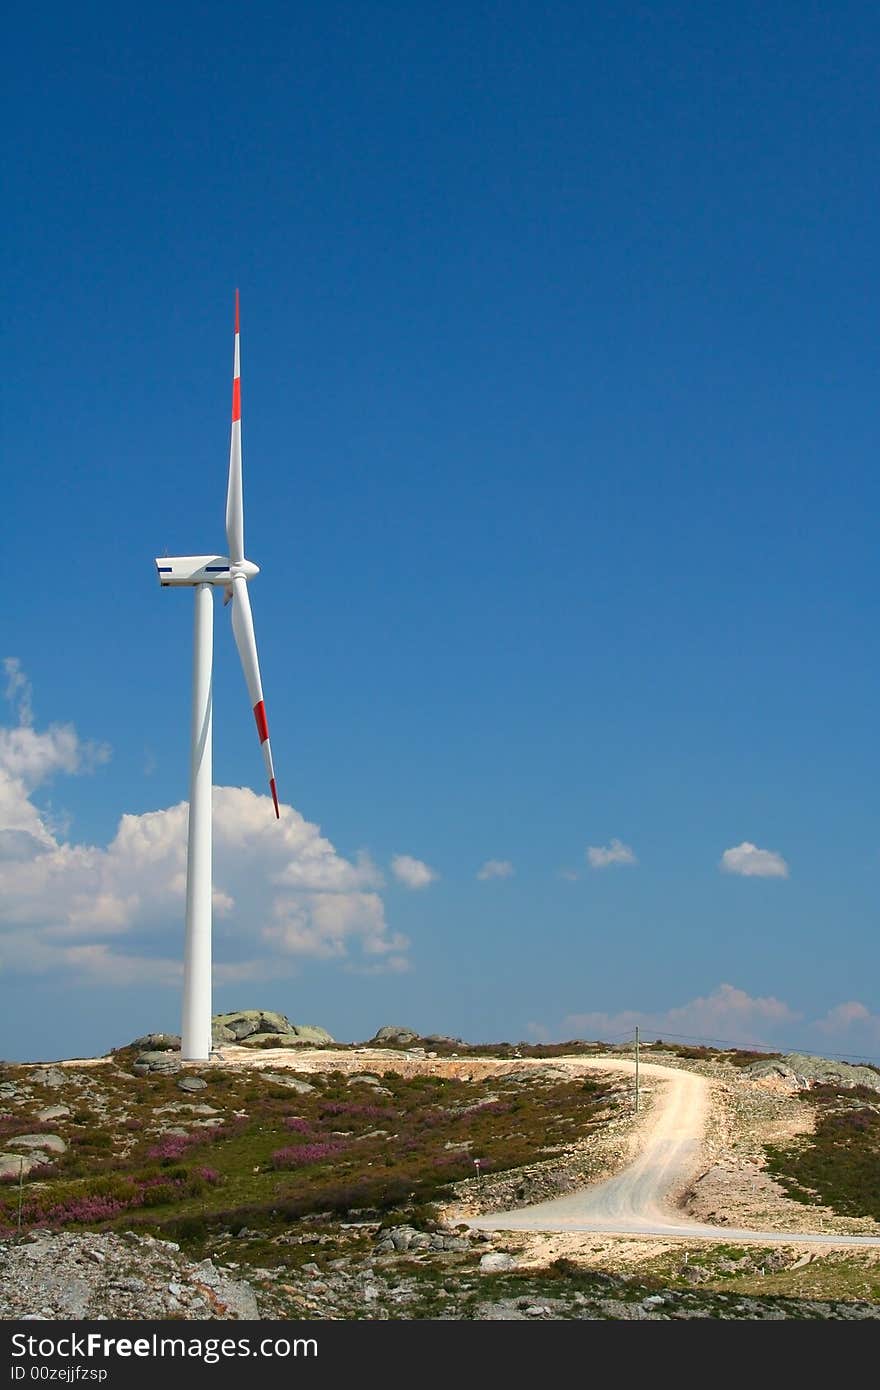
[[560, 426]]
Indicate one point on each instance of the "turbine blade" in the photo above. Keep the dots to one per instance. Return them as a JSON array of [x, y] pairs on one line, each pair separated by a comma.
[[243, 629], [234, 501]]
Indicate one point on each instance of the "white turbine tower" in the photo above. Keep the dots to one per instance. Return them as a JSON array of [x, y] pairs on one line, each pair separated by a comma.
[[204, 573]]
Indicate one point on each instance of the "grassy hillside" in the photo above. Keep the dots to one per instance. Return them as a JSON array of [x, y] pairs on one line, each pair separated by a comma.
[[839, 1164], [248, 1151]]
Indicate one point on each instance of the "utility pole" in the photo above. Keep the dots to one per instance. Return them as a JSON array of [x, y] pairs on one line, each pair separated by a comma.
[[20, 1195], [637, 1068]]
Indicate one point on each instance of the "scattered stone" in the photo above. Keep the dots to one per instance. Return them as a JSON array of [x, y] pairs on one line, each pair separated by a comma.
[[53, 1077], [505, 1310], [75, 1276], [54, 1112], [163, 1063], [53, 1143], [191, 1083], [804, 1260], [496, 1262], [279, 1078], [13, 1165]]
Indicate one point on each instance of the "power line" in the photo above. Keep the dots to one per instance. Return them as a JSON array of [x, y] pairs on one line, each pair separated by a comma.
[[765, 1047], [627, 1033]]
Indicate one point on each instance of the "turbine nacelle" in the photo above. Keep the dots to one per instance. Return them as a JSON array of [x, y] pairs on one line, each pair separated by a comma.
[[182, 571]]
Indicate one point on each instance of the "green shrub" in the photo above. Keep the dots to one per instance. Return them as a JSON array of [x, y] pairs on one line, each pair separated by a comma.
[[839, 1164]]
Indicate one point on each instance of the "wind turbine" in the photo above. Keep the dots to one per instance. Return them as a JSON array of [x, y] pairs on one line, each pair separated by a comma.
[[204, 573]]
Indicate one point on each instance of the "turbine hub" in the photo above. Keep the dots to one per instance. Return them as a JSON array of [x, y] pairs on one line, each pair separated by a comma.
[[245, 568]]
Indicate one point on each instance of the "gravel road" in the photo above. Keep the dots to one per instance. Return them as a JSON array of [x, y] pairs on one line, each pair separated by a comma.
[[641, 1200]]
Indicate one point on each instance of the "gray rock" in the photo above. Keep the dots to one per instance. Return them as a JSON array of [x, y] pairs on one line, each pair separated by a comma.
[[363, 1079], [799, 1071], [311, 1033], [54, 1112], [280, 1078], [258, 1023], [234, 1296], [271, 1039], [50, 1143], [775, 1070], [191, 1083], [157, 1042], [505, 1310], [52, 1077], [817, 1071], [163, 1063], [241, 1025], [12, 1165], [496, 1262], [392, 1033]]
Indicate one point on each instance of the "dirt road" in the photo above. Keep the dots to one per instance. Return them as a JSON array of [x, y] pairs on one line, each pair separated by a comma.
[[641, 1200], [644, 1199]]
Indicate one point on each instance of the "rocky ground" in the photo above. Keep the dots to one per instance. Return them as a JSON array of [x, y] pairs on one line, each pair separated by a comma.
[[93, 1275], [332, 1266], [408, 1274]]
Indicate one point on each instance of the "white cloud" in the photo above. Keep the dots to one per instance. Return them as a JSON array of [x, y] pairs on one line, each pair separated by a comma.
[[853, 1022], [728, 1014], [31, 758], [18, 690], [603, 856], [414, 873], [749, 861], [496, 868], [281, 893], [843, 1016]]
